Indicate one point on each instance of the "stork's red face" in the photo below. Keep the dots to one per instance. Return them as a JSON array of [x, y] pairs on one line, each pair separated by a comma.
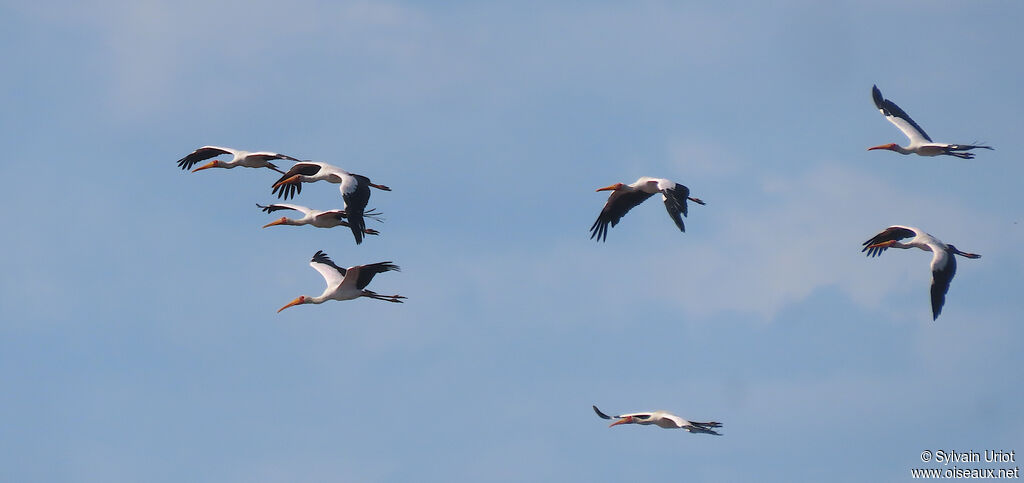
[[287, 181], [611, 188], [890, 147], [625, 420], [211, 164], [282, 221], [300, 300]]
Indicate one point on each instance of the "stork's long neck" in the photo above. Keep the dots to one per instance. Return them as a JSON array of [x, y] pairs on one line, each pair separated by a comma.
[[901, 149]]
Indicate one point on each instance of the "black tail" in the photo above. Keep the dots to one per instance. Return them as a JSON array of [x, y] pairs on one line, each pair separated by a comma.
[[968, 147], [373, 214], [705, 427], [957, 150], [701, 429]]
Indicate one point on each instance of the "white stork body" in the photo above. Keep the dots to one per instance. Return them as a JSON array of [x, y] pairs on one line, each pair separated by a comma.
[[245, 159], [345, 284], [920, 143], [624, 197], [943, 260], [662, 419], [355, 189], [317, 218]]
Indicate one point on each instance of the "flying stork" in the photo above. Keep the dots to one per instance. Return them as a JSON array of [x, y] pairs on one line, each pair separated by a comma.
[[626, 196], [662, 419], [355, 189], [246, 159], [345, 283], [943, 261], [920, 143]]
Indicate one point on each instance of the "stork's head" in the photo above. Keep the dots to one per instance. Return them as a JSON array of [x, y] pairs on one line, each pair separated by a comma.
[[955, 251], [613, 187], [890, 147], [299, 301], [211, 164]]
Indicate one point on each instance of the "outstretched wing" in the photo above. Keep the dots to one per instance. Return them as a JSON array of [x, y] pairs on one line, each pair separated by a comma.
[[291, 189], [267, 156], [356, 196], [700, 428], [895, 232], [332, 273], [899, 118], [202, 154], [283, 206], [332, 214], [600, 414], [366, 272], [675, 203], [619, 203], [943, 269]]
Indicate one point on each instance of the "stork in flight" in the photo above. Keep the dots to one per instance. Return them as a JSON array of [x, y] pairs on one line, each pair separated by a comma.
[[662, 419], [624, 197], [943, 260], [317, 218], [345, 283], [355, 189], [920, 143], [246, 159]]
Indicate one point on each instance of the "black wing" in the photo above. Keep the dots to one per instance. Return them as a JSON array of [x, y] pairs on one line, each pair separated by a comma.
[[890, 108], [599, 413], [619, 203], [888, 234], [675, 203], [321, 257], [289, 190], [201, 154], [268, 156], [273, 208], [941, 277], [366, 272], [360, 197], [355, 204]]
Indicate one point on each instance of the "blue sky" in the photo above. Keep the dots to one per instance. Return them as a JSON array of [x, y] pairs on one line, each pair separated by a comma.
[[139, 335]]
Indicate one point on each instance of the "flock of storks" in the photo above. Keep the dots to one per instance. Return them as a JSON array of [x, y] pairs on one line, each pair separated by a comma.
[[350, 283]]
